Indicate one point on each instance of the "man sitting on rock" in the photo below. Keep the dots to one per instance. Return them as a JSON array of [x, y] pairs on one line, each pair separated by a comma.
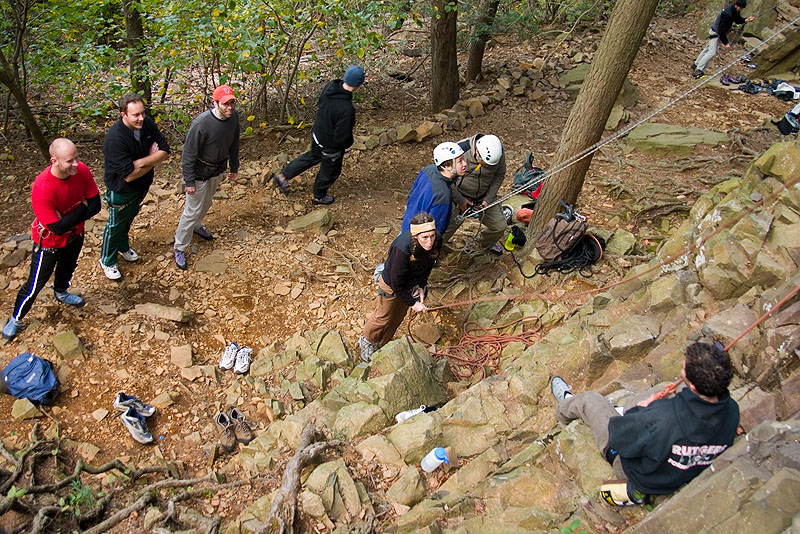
[[661, 444]]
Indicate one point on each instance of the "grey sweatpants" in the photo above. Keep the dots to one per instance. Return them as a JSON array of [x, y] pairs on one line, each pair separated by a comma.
[[708, 53], [594, 410], [195, 210]]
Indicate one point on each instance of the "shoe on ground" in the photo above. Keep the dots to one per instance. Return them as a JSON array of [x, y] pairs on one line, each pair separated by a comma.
[[243, 359], [697, 74], [11, 328], [367, 349], [65, 297], [123, 402], [560, 389], [180, 259], [496, 249], [111, 271], [136, 425], [229, 356], [227, 434], [202, 232], [242, 431], [129, 255], [281, 183], [324, 201]]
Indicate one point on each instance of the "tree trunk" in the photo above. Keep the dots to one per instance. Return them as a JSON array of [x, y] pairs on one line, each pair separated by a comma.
[[134, 35], [12, 82], [483, 32], [588, 116], [444, 69]]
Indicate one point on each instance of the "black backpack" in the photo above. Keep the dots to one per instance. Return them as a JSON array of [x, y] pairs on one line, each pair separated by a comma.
[[587, 251]]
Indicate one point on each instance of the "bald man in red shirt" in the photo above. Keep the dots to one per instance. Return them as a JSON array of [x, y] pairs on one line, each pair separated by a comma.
[[64, 196]]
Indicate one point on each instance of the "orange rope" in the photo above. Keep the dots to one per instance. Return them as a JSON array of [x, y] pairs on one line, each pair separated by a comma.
[[770, 312], [480, 348]]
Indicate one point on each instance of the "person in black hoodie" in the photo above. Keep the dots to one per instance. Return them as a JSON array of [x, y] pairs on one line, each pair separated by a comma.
[[718, 33], [331, 136], [132, 149], [661, 444], [401, 285]]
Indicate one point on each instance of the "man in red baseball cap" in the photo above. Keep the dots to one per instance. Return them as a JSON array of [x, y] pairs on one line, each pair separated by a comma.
[[211, 145]]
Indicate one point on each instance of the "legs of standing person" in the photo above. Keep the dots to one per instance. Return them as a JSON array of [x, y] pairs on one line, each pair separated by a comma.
[[494, 223], [385, 319], [303, 162], [66, 262], [43, 261], [707, 54], [329, 170], [195, 210], [122, 208]]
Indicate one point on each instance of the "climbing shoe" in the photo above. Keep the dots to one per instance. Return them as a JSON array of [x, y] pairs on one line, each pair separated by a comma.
[[202, 232], [560, 389], [180, 259], [281, 183], [697, 74], [323, 201], [621, 493]]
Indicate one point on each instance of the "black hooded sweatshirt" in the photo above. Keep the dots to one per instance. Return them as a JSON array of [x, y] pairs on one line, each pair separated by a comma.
[[336, 117], [671, 441], [724, 21]]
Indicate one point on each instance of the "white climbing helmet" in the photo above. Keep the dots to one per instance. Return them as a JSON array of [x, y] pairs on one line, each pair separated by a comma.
[[489, 149], [445, 152]]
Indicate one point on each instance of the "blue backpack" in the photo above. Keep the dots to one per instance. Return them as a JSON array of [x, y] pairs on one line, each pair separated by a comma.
[[30, 377]]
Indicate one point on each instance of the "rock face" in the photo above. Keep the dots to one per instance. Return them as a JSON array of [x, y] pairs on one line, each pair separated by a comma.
[[513, 470]]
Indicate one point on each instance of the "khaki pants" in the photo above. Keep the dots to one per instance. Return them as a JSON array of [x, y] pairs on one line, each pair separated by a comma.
[[386, 318], [494, 223], [195, 210]]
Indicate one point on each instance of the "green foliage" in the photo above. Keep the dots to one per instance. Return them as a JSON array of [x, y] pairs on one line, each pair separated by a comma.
[[16, 493], [672, 8], [78, 496], [572, 528]]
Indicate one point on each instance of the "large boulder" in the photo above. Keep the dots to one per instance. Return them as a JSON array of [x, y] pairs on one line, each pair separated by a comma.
[[662, 139]]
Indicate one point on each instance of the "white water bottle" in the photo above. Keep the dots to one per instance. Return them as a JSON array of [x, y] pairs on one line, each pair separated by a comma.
[[434, 459], [408, 414]]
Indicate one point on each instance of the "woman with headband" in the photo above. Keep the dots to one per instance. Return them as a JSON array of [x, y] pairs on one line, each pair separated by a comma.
[[401, 285]]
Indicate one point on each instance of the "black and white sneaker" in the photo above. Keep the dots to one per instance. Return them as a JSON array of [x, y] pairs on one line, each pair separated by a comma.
[[122, 402], [136, 426]]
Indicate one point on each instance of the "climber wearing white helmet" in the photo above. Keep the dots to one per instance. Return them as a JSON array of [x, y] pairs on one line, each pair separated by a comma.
[[431, 192], [478, 187]]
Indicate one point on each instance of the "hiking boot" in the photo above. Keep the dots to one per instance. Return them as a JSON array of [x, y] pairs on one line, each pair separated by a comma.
[[122, 402], [697, 74], [496, 249], [111, 271], [136, 425], [180, 259], [202, 232], [227, 434], [243, 359], [367, 349], [129, 255], [281, 183], [560, 389], [65, 297], [241, 429], [229, 356], [621, 493], [323, 201], [11, 328]]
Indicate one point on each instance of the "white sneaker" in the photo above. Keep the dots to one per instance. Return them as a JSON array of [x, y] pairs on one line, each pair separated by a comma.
[[229, 356], [112, 273], [243, 359], [129, 255]]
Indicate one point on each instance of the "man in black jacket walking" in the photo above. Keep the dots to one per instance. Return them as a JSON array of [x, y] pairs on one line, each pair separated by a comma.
[[132, 148], [331, 136], [718, 33], [661, 444]]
